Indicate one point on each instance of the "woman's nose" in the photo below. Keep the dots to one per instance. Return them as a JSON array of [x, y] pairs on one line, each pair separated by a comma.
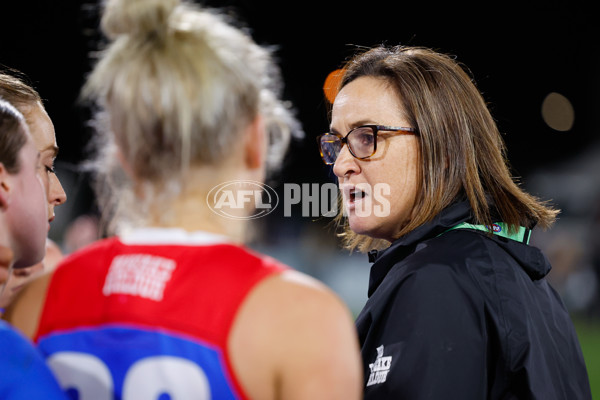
[[345, 163], [57, 193]]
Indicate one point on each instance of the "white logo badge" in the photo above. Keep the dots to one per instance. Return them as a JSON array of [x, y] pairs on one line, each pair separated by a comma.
[[242, 199], [380, 368]]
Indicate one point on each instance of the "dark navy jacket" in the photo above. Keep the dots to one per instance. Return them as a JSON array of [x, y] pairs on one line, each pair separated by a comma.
[[463, 314]]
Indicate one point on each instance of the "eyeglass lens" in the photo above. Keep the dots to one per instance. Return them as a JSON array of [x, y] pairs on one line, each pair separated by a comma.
[[330, 148], [361, 142]]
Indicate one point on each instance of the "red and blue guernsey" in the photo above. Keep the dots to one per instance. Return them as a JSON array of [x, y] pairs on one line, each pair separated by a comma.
[[148, 315]]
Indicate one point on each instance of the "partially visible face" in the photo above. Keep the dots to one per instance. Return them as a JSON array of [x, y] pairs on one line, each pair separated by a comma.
[[379, 193], [27, 214], [42, 131]]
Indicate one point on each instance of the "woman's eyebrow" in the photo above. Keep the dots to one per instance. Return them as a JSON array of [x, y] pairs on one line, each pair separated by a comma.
[[354, 125], [51, 148]]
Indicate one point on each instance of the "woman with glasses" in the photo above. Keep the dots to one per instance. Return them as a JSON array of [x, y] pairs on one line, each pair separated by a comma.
[[458, 304], [174, 305]]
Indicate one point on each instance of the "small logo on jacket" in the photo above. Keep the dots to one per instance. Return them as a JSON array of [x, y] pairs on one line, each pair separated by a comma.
[[379, 368]]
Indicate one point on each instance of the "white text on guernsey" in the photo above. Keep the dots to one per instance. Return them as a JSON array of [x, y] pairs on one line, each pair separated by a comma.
[[140, 275]]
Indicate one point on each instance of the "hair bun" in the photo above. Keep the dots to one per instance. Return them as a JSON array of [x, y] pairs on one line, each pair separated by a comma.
[[136, 17]]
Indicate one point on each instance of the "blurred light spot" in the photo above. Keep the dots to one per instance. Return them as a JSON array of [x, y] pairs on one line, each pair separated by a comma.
[[332, 84], [558, 112]]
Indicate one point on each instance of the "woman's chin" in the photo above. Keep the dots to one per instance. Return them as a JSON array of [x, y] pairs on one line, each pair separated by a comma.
[[362, 226]]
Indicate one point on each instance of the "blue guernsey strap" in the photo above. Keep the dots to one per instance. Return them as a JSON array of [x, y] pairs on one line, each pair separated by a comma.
[[499, 228]]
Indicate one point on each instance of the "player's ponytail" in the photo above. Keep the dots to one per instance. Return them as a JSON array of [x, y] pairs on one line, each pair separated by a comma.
[[175, 88], [137, 18]]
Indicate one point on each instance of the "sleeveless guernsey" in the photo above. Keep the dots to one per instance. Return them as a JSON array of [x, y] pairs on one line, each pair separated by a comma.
[[149, 315]]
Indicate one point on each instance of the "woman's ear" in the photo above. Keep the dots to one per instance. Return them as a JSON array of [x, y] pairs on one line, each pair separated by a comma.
[[4, 187], [255, 144]]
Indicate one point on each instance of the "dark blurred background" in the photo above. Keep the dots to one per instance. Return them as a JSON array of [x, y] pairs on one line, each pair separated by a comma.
[[518, 53], [524, 56]]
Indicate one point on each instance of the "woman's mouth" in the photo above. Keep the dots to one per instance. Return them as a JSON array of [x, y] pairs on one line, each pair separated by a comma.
[[356, 194], [353, 195]]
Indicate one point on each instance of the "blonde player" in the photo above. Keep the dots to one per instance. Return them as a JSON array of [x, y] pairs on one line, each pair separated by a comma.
[[174, 304]]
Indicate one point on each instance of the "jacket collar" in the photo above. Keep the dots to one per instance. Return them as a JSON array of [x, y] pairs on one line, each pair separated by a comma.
[[384, 260], [530, 258]]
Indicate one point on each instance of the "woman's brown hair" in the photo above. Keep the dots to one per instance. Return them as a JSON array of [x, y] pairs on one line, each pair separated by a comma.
[[15, 89], [461, 150]]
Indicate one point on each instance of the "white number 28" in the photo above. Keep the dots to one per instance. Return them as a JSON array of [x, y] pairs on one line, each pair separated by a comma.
[[147, 378]]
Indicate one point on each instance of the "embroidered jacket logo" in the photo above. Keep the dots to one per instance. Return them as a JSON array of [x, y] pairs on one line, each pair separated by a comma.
[[380, 368]]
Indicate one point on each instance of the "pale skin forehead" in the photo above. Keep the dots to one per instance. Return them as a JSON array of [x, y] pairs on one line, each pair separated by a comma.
[[362, 101], [42, 130]]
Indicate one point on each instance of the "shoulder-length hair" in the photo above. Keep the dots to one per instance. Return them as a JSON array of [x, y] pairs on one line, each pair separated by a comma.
[[462, 153]]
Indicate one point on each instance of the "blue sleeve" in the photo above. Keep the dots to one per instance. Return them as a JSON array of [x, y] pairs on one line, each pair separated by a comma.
[[24, 374], [436, 335]]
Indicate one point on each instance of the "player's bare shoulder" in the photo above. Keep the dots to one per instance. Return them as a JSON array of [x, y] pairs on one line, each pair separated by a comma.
[[304, 337], [26, 309]]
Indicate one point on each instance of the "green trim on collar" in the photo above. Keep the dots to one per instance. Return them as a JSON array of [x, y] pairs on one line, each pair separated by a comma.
[[498, 228]]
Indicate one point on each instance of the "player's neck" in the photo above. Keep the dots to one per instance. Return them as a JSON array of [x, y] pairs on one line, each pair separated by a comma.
[[197, 206], [192, 214]]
